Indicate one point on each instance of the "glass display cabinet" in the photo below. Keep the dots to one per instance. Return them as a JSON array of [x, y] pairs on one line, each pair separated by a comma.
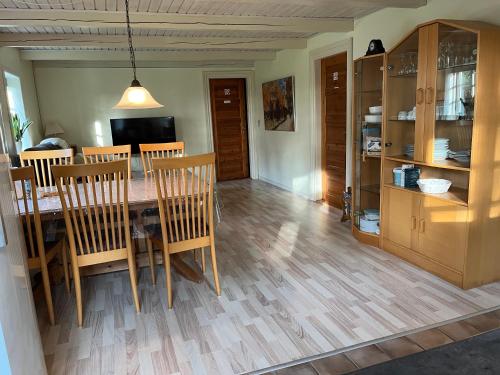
[[367, 147], [441, 117]]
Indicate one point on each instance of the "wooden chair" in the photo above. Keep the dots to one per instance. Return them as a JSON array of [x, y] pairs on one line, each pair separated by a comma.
[[148, 152], [92, 155], [98, 226], [43, 160], [159, 150], [186, 212], [41, 249]]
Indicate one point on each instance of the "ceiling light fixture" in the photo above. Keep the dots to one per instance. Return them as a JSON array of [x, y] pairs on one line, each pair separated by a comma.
[[135, 96]]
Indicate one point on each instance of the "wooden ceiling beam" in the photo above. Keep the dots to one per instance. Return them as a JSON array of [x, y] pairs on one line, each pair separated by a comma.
[[120, 41], [149, 56], [169, 21]]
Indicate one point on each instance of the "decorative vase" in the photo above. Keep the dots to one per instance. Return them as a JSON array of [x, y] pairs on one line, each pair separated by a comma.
[[19, 146]]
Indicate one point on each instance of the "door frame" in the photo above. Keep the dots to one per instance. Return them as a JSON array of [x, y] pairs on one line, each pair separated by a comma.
[[315, 57], [249, 78]]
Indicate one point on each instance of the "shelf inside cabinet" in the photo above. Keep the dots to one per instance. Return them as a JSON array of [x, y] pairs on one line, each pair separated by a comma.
[[445, 164], [456, 195], [395, 119], [458, 68], [406, 75]]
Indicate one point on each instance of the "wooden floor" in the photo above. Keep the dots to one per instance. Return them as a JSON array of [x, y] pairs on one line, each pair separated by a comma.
[[295, 284]]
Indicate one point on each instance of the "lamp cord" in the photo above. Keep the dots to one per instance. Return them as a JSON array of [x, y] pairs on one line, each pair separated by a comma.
[[130, 46]]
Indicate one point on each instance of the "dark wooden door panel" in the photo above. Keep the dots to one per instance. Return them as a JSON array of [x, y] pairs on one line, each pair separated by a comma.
[[230, 133], [334, 100]]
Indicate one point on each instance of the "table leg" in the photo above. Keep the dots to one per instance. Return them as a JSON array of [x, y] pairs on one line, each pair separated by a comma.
[[185, 270]]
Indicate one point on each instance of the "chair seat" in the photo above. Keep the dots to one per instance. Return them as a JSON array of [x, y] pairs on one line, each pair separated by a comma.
[[53, 232], [51, 246]]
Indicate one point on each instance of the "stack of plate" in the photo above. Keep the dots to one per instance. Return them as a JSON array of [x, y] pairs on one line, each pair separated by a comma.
[[409, 150], [462, 156], [441, 146]]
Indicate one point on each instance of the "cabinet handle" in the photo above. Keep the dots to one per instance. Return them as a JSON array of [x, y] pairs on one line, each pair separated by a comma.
[[422, 226], [420, 96], [413, 223], [429, 95]]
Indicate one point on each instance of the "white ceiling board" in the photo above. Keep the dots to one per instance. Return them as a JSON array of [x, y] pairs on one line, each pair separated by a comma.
[[111, 55], [273, 8], [93, 19], [146, 32], [116, 41], [181, 24]]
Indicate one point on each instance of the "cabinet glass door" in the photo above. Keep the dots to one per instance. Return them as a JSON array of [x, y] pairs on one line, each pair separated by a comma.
[[368, 82], [405, 74], [455, 93]]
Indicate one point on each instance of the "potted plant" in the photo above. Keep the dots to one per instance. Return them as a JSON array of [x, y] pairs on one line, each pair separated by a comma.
[[19, 129]]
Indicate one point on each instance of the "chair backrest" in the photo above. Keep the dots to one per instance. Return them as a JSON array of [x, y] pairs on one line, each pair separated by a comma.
[[42, 162], [93, 155], [24, 179], [96, 221], [159, 150], [185, 190]]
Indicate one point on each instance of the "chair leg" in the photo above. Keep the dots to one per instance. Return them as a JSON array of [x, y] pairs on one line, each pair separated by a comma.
[[48, 293], [151, 255], [214, 265], [65, 266], [166, 262], [203, 262], [133, 280], [78, 293]]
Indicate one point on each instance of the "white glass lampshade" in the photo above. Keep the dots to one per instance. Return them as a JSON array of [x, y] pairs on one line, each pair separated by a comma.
[[137, 97], [53, 128]]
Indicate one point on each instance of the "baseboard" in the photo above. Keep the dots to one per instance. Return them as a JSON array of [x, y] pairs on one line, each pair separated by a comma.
[[284, 187]]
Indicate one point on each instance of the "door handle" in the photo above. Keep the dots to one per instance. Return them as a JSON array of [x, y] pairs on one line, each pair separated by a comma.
[[422, 226], [429, 95], [420, 96], [413, 223]]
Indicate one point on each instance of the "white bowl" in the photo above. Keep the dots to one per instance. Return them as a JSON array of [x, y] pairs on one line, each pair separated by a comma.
[[373, 118], [377, 110], [433, 185]]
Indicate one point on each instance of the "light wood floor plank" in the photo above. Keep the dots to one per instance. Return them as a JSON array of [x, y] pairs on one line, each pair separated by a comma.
[[294, 283]]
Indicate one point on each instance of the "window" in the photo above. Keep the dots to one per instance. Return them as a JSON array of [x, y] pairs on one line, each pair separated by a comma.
[[16, 104]]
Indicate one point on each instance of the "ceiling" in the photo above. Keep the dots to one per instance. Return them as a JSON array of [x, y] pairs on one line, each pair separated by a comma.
[[215, 28]]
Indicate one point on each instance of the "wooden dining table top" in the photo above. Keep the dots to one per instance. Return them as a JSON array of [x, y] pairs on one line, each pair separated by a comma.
[[141, 192]]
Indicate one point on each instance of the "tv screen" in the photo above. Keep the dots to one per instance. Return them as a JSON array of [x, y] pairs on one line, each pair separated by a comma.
[[133, 131]]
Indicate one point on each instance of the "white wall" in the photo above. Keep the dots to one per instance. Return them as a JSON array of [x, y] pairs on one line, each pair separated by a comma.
[[285, 158], [11, 62], [81, 100]]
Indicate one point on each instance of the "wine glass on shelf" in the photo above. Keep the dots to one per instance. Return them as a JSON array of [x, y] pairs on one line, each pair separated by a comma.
[[402, 65]]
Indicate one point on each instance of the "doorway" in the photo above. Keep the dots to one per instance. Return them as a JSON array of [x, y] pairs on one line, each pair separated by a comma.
[[229, 127], [333, 127]]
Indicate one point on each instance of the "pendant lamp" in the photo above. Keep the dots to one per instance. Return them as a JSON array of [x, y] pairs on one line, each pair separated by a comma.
[[135, 96]]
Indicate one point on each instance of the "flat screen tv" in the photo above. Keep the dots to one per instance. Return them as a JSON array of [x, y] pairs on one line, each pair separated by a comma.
[[133, 131]]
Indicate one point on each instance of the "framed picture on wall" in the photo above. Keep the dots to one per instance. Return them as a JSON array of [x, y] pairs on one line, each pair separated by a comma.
[[279, 104]]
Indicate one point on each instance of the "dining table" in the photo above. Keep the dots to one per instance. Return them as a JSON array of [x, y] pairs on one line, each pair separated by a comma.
[[142, 198]]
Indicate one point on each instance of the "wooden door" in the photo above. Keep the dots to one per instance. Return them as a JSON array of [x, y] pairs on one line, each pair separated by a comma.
[[443, 232], [230, 132], [333, 110], [399, 221]]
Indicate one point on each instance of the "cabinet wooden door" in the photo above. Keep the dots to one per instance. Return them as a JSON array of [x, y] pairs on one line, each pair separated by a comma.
[[399, 219], [442, 231]]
